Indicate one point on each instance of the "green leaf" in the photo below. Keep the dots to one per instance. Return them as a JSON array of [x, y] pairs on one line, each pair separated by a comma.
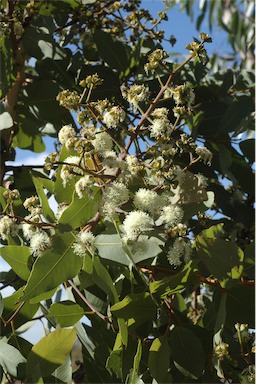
[[18, 257], [80, 210], [187, 351], [39, 43], [239, 305], [64, 372], [114, 53], [219, 256], [47, 212], [5, 121], [176, 283], [114, 362], [54, 267], [213, 232], [25, 312], [159, 359], [137, 306], [110, 247], [50, 352], [136, 364], [7, 68], [103, 279], [248, 149], [10, 358], [66, 313], [218, 329]]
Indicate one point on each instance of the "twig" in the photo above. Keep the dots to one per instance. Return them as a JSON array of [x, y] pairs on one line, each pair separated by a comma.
[[103, 317]]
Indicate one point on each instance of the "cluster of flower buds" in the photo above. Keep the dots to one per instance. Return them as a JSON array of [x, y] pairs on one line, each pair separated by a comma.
[[155, 59]]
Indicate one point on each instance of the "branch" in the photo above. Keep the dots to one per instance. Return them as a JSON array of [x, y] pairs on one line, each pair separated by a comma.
[[103, 317]]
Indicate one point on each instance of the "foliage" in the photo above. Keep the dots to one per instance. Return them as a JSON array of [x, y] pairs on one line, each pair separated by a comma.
[[148, 258]]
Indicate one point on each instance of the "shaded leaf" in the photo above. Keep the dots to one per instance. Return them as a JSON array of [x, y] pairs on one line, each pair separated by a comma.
[[239, 306], [187, 351], [219, 255], [139, 305], [159, 359], [176, 283], [114, 53]]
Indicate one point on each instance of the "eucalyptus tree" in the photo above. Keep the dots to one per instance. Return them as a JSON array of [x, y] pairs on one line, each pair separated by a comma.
[[147, 259]]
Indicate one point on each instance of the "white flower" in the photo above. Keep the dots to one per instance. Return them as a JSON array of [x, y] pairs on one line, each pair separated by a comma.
[[115, 194], [82, 184], [205, 155], [160, 113], [8, 226], [132, 163], [180, 248], [28, 230], [171, 215], [65, 133], [39, 242], [68, 169], [111, 160], [135, 94], [85, 242], [135, 223], [160, 128], [146, 200], [102, 143], [60, 209], [114, 116]]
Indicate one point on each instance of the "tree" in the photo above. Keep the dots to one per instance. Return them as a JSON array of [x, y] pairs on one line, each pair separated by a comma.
[[153, 237]]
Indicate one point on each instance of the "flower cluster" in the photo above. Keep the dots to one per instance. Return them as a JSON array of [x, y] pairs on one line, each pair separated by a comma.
[[113, 117], [115, 194], [161, 126], [181, 249], [204, 154], [91, 81], [84, 243], [221, 351], [135, 94], [154, 59], [8, 226], [135, 223], [68, 99]]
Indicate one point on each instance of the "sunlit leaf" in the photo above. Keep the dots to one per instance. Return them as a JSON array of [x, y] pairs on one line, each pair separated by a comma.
[[53, 268], [50, 352]]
